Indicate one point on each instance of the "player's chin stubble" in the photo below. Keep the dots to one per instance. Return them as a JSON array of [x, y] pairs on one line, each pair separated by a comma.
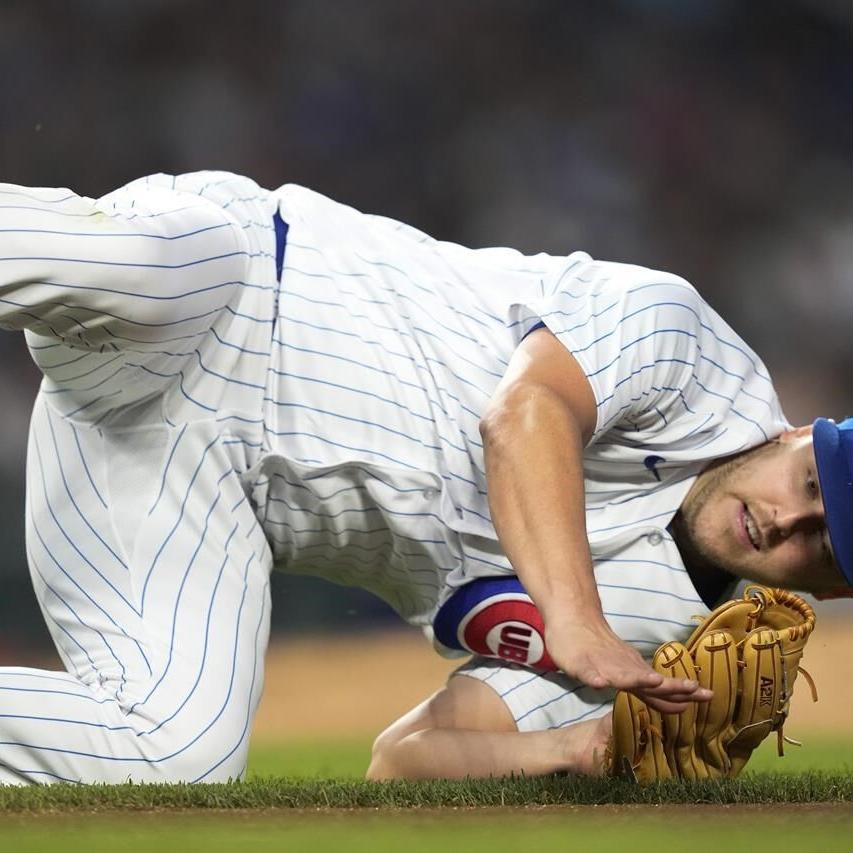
[[698, 536]]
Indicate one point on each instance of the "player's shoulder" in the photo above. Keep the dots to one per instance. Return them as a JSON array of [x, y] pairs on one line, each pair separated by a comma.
[[644, 295], [639, 281]]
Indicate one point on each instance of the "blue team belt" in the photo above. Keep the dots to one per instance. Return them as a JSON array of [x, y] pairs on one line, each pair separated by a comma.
[[280, 242], [494, 617]]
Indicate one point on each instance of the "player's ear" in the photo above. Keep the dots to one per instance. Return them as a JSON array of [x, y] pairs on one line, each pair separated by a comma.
[[797, 432], [837, 592]]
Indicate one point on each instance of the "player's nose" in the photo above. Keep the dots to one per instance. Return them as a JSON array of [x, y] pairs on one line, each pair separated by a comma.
[[799, 516]]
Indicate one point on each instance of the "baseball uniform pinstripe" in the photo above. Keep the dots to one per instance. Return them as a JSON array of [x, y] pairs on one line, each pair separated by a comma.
[[199, 425], [144, 310]]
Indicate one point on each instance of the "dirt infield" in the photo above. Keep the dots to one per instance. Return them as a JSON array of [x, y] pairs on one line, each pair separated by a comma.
[[355, 685], [346, 685]]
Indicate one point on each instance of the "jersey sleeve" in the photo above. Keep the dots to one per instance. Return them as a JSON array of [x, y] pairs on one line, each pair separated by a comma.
[[539, 700], [633, 330], [129, 270]]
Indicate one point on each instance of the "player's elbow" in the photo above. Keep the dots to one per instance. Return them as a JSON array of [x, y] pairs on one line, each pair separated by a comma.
[[520, 409]]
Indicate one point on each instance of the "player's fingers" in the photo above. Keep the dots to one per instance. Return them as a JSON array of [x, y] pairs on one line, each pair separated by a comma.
[[672, 703], [607, 673], [620, 671], [616, 681], [663, 705], [593, 678], [624, 672], [675, 685], [638, 670], [670, 688], [636, 678], [650, 678], [679, 698]]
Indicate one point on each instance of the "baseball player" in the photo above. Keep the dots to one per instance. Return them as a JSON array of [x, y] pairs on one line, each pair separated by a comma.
[[238, 379]]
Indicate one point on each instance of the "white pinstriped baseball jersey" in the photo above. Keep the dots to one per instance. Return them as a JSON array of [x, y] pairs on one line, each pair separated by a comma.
[[199, 424], [675, 388]]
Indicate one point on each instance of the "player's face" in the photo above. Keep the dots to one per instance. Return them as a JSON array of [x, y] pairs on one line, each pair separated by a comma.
[[761, 517]]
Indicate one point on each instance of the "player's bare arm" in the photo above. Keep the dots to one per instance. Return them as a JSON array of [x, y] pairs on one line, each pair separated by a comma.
[[542, 414], [465, 729]]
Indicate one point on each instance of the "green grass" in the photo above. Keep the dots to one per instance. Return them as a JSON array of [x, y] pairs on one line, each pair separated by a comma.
[[807, 800], [327, 759], [322, 774], [824, 754], [642, 832], [278, 793]]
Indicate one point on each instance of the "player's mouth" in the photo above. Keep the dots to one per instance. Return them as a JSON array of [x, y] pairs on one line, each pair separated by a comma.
[[748, 531]]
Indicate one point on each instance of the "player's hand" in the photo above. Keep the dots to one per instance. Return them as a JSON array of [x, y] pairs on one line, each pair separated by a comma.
[[594, 655]]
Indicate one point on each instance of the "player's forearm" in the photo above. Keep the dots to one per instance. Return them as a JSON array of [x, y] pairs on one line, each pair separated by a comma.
[[457, 753], [533, 453]]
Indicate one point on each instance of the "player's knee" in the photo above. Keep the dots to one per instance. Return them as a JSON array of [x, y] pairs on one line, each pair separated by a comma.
[[191, 753], [380, 769], [213, 767], [383, 757], [378, 756], [217, 762]]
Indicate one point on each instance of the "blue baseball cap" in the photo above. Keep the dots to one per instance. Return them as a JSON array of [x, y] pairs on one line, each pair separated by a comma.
[[833, 449]]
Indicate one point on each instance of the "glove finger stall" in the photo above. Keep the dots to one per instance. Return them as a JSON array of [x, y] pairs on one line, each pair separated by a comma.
[[763, 696], [717, 666]]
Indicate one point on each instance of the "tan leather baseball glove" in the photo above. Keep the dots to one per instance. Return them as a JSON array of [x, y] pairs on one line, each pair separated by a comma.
[[748, 652]]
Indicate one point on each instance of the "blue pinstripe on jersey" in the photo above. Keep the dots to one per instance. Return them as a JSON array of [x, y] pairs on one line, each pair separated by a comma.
[[329, 426]]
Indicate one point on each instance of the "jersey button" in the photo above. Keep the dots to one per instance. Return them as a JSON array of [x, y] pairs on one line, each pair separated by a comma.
[[430, 494], [654, 538]]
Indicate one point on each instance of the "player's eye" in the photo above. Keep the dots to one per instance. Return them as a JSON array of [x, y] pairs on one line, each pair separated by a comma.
[[812, 485]]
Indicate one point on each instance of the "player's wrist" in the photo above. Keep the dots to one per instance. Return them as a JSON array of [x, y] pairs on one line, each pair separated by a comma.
[[560, 613]]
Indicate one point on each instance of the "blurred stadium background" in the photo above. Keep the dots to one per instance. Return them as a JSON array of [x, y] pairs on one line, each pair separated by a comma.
[[712, 138]]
